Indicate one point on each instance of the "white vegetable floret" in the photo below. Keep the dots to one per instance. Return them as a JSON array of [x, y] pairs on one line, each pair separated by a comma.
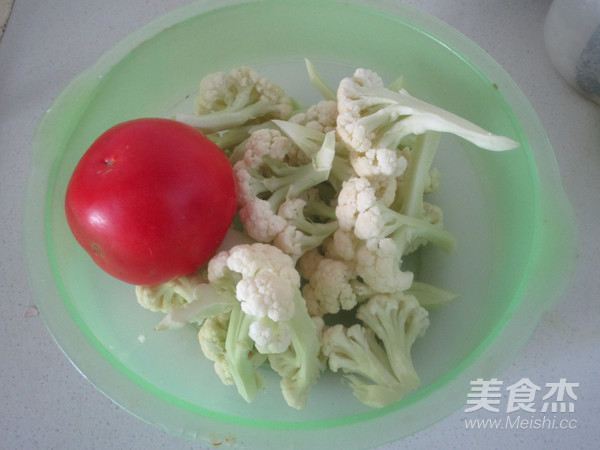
[[272, 195], [270, 317], [329, 289], [321, 116], [359, 210], [378, 264], [357, 196], [398, 321], [300, 234], [247, 260], [343, 245], [267, 142], [270, 336], [231, 100], [376, 117], [266, 294], [211, 336], [307, 264], [310, 140], [260, 221], [170, 295], [376, 356], [301, 364]]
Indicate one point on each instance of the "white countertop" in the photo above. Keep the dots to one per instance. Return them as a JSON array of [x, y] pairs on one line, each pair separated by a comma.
[[46, 403]]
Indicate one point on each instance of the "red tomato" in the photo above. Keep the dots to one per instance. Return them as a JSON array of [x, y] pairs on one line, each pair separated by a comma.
[[151, 200]]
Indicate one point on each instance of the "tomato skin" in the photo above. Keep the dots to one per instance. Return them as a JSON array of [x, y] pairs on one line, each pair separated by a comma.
[[151, 200]]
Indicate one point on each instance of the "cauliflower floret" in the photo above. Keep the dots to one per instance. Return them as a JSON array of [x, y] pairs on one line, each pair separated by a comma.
[[373, 121], [307, 264], [343, 245], [269, 336], [242, 97], [376, 356], [212, 336], [301, 234], [359, 210], [260, 222], [253, 170], [378, 264], [433, 214], [266, 142], [357, 195], [329, 288], [249, 259], [367, 158], [321, 116], [372, 116], [266, 294], [265, 183], [290, 241], [213, 94], [167, 296], [268, 315], [432, 181], [271, 143], [377, 161], [385, 188]]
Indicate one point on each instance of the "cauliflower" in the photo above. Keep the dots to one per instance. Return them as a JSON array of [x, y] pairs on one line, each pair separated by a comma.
[[378, 161], [336, 284], [211, 336], [398, 321], [260, 221], [356, 352], [242, 97], [374, 120], [301, 364], [310, 140], [343, 245], [359, 210], [266, 294], [300, 234], [267, 142], [271, 192], [375, 237], [270, 336], [307, 264], [335, 196], [329, 288], [269, 317], [321, 116], [357, 196], [161, 298], [167, 296], [248, 306], [228, 267], [376, 356], [378, 264], [385, 188]]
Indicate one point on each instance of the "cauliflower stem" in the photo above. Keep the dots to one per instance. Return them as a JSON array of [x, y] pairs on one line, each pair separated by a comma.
[[242, 357], [299, 365]]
